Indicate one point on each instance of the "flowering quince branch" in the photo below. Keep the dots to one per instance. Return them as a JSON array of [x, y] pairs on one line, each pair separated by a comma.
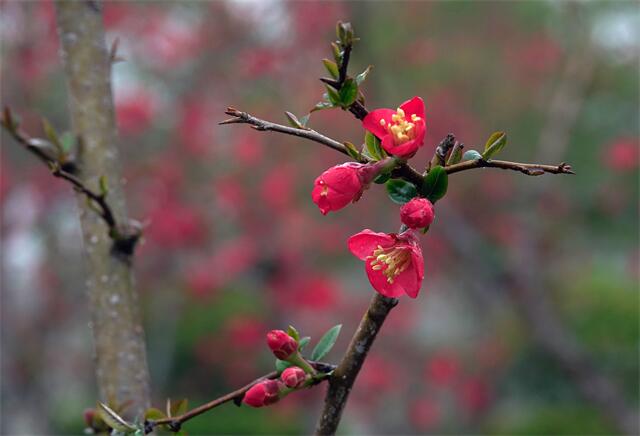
[[175, 423], [393, 262], [61, 163]]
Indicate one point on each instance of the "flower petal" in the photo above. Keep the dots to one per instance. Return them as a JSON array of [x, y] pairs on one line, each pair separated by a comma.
[[409, 281], [371, 121], [379, 282], [362, 244], [415, 106]]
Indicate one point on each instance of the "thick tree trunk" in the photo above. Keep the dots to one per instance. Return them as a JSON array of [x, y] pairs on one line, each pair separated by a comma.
[[120, 355]]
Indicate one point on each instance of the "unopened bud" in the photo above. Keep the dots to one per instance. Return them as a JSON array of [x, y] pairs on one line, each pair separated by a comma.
[[293, 377], [262, 394], [281, 344]]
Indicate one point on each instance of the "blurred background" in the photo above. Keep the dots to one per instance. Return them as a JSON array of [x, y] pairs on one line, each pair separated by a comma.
[[531, 288]]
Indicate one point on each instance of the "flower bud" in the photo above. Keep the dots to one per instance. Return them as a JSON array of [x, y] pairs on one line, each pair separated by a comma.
[[262, 394], [337, 187], [293, 377], [417, 213], [281, 344], [88, 415]]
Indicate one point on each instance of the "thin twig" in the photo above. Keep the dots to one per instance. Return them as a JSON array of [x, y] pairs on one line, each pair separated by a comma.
[[525, 168], [124, 238], [175, 423]]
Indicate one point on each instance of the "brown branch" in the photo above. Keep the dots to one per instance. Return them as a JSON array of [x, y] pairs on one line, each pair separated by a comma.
[[344, 376], [240, 117], [124, 238], [175, 423], [525, 168]]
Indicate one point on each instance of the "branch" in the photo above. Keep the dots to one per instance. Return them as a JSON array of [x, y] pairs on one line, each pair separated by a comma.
[[525, 168], [403, 170], [124, 239], [240, 117], [175, 423], [344, 376]]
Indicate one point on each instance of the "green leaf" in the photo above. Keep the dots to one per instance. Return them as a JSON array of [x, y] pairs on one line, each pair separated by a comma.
[[331, 67], [401, 191], [471, 155], [456, 155], [321, 105], [435, 184], [348, 92], [305, 120], [382, 178], [495, 143], [281, 365], [337, 53], [52, 135], [114, 420], [179, 407], [362, 76], [291, 331], [154, 414], [326, 343], [293, 121], [68, 141], [374, 146], [352, 150], [104, 186], [303, 342], [333, 96]]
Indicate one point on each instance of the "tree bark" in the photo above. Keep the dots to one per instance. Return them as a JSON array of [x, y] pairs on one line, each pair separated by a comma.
[[120, 355]]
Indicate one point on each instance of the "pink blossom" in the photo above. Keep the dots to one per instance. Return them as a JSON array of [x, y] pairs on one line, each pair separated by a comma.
[[402, 130], [393, 262], [293, 377]]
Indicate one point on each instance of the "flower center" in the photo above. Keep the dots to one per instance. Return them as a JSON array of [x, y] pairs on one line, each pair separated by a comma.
[[325, 188], [392, 261], [400, 127]]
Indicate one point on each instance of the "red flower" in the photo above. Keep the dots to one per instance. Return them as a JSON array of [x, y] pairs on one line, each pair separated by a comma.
[[262, 394], [394, 263], [401, 131], [417, 213], [343, 184], [281, 344], [293, 377]]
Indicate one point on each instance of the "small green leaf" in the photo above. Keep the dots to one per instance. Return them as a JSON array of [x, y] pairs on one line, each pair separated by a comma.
[[303, 342], [68, 141], [495, 143], [179, 407], [401, 191], [456, 155], [291, 331], [304, 120], [337, 53], [281, 365], [114, 420], [333, 96], [435, 184], [382, 178], [331, 67], [293, 121], [348, 92], [471, 155], [321, 105], [154, 414], [326, 343], [362, 76], [52, 135], [352, 150], [104, 186], [374, 146]]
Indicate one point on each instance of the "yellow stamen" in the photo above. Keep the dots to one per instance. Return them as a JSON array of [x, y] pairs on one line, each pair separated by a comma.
[[401, 129], [391, 260]]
